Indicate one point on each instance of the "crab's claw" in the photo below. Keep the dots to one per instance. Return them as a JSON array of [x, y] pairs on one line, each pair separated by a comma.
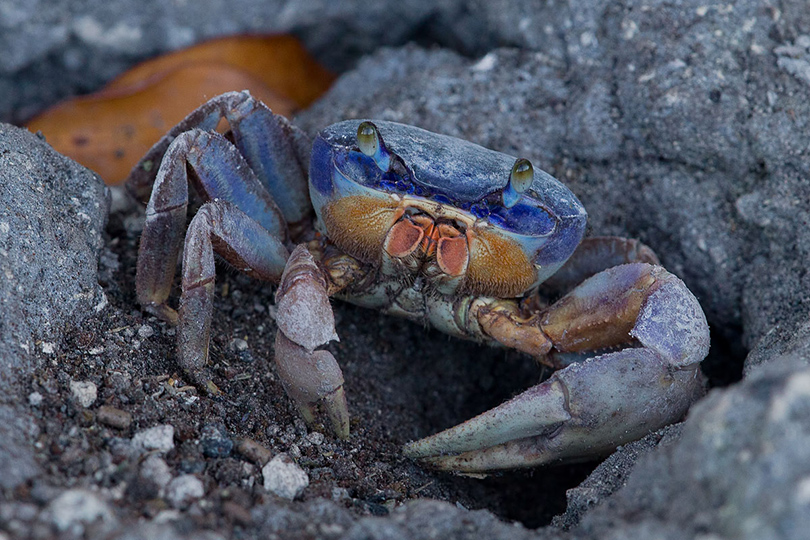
[[589, 408], [305, 320]]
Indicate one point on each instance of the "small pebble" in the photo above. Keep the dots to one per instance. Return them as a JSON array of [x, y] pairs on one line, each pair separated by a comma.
[[184, 490], [254, 451], [113, 417], [215, 441], [167, 516], [146, 331], [316, 438], [160, 438], [295, 451], [283, 477], [155, 469], [35, 399], [238, 345], [340, 494], [75, 508], [85, 392]]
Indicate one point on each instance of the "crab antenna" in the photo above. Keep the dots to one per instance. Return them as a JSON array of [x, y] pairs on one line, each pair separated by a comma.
[[520, 179], [371, 144]]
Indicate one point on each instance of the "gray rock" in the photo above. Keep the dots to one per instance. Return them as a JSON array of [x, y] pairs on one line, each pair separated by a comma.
[[159, 438], [795, 58], [319, 518], [163, 531], [780, 342], [284, 477], [76, 510], [434, 519], [215, 441], [611, 475], [154, 469], [85, 392], [17, 462], [184, 490], [52, 213]]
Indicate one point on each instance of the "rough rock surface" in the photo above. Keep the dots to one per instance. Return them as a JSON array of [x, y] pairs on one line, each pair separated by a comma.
[[683, 124], [52, 215], [53, 48]]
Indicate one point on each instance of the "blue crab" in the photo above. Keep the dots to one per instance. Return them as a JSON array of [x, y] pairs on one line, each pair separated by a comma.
[[433, 229]]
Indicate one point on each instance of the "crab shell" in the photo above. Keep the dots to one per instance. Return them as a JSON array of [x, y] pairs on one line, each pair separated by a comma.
[[506, 251]]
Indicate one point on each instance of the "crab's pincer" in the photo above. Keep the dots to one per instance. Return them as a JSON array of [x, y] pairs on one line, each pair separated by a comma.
[[588, 408], [305, 322]]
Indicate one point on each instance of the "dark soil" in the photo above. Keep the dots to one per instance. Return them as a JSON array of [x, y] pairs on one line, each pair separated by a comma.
[[132, 363]]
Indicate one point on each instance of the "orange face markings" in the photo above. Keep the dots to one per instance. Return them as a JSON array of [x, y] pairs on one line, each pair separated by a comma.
[[358, 225], [488, 263], [453, 255], [498, 266], [404, 238], [427, 224], [442, 243]]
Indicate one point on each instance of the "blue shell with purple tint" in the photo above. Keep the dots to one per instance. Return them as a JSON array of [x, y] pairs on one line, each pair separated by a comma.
[[548, 220]]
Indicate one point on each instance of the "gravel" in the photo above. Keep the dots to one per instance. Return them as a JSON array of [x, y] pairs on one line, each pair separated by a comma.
[[158, 438], [85, 392], [184, 490], [283, 477]]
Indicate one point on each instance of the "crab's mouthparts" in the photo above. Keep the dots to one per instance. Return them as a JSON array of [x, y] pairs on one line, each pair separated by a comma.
[[422, 236]]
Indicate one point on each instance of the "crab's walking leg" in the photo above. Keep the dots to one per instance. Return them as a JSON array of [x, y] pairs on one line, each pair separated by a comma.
[[219, 172], [276, 151], [218, 227], [305, 321], [590, 407]]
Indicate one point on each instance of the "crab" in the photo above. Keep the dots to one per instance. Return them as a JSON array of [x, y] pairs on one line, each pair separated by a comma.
[[434, 229]]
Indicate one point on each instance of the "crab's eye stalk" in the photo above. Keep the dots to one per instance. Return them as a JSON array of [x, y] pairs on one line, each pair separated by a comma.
[[371, 144], [520, 179]]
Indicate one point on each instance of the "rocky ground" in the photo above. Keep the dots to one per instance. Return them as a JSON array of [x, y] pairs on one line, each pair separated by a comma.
[[683, 124]]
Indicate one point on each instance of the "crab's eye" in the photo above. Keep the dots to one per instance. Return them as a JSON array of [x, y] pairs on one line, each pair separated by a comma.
[[367, 138], [371, 144], [520, 179]]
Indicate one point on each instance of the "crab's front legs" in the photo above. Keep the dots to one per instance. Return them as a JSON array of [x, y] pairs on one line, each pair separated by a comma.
[[592, 406], [305, 322]]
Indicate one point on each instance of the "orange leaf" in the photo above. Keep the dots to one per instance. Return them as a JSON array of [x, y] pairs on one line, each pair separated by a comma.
[[280, 62], [110, 130]]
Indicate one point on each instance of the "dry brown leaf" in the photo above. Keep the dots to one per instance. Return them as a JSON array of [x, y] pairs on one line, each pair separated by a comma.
[[110, 130], [281, 62]]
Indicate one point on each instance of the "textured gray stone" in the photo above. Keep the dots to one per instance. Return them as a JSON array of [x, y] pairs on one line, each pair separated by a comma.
[[184, 490], [52, 213], [75, 510], [157, 438], [739, 470], [283, 477]]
